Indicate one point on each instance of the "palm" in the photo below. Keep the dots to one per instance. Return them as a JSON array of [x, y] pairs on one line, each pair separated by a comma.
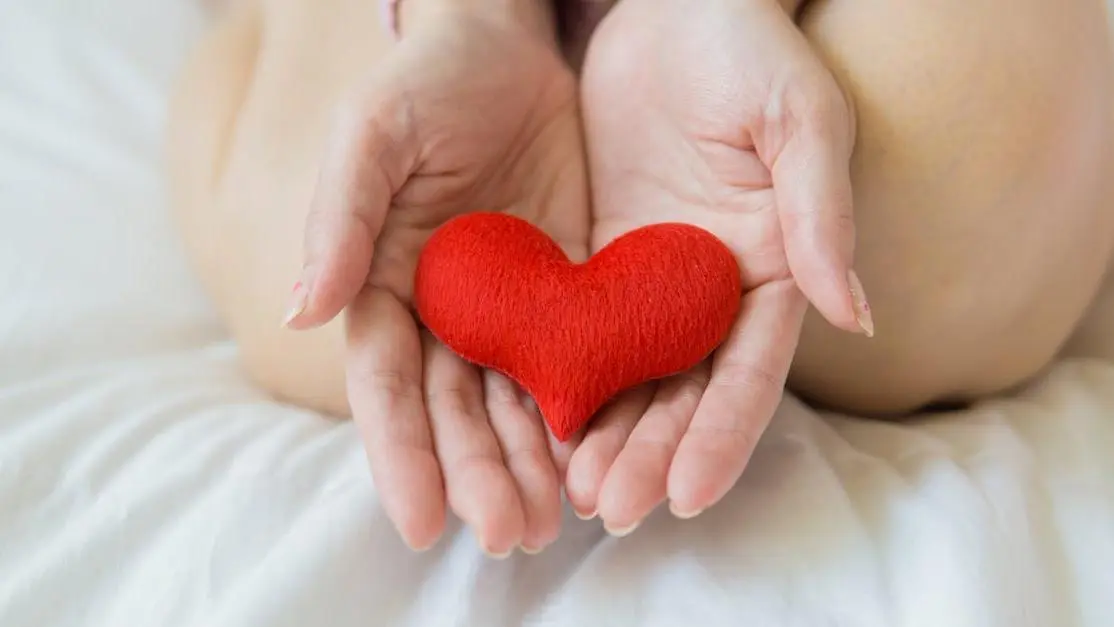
[[464, 115], [664, 151], [708, 131], [506, 140], [667, 175]]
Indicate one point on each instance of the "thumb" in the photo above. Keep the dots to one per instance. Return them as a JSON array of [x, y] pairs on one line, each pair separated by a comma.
[[567, 215], [370, 154], [812, 185]]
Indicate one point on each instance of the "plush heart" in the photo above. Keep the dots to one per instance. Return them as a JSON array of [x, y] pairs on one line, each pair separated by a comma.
[[503, 295]]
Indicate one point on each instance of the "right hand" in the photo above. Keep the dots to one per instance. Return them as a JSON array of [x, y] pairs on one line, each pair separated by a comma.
[[737, 126], [472, 110]]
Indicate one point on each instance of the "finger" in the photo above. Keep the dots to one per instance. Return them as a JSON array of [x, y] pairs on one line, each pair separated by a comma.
[[812, 184], [559, 451], [636, 482], [602, 443], [371, 152], [480, 489], [746, 385], [384, 374], [567, 217], [522, 439], [562, 453]]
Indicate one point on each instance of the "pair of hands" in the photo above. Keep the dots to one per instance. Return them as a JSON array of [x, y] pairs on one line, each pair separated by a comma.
[[715, 113]]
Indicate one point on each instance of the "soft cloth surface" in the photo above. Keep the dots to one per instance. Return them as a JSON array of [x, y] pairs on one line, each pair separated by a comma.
[[144, 482], [502, 294]]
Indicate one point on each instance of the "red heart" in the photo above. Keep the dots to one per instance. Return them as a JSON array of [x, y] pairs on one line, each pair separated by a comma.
[[501, 294]]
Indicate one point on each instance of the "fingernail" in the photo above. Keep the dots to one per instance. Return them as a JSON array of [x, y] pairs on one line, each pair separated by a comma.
[[582, 516], [498, 556], [491, 552], [529, 550], [683, 514], [299, 298], [862, 307], [422, 549], [622, 532]]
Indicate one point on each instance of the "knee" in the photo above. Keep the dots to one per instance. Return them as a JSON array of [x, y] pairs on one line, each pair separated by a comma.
[[304, 368], [979, 182]]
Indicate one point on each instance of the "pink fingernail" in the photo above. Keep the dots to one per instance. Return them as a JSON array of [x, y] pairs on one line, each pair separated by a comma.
[[501, 555], [299, 299], [491, 552], [584, 516], [422, 549], [621, 531], [683, 514], [862, 307]]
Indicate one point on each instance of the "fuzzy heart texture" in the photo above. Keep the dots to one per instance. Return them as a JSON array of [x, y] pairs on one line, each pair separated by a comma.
[[502, 294]]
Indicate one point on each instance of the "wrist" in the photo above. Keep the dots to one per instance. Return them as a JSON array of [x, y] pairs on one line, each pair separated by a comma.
[[792, 7], [535, 16]]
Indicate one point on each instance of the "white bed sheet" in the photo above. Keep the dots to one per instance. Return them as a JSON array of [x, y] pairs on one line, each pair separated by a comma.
[[143, 481]]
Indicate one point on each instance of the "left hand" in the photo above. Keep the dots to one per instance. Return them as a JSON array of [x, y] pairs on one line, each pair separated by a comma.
[[473, 109], [719, 114]]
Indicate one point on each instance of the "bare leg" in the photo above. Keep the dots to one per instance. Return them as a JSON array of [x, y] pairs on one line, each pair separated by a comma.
[[247, 127], [983, 201], [980, 177]]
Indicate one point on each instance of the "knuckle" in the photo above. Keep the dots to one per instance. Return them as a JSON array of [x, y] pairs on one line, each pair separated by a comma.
[[393, 383], [683, 391], [660, 447], [842, 219], [503, 402], [689, 394], [829, 222], [745, 379], [478, 463], [378, 120], [693, 380], [501, 395], [718, 440], [819, 103], [528, 458], [366, 108], [844, 222], [458, 399]]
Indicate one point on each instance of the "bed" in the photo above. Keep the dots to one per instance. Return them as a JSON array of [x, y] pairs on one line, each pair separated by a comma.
[[144, 481]]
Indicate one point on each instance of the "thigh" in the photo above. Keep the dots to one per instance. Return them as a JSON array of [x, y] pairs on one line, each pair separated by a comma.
[[247, 129], [981, 191]]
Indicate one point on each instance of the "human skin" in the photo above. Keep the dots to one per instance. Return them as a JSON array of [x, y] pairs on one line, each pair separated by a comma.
[[966, 235]]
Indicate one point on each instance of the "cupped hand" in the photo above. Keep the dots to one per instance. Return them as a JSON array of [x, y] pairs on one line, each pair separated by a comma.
[[470, 110], [719, 114]]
